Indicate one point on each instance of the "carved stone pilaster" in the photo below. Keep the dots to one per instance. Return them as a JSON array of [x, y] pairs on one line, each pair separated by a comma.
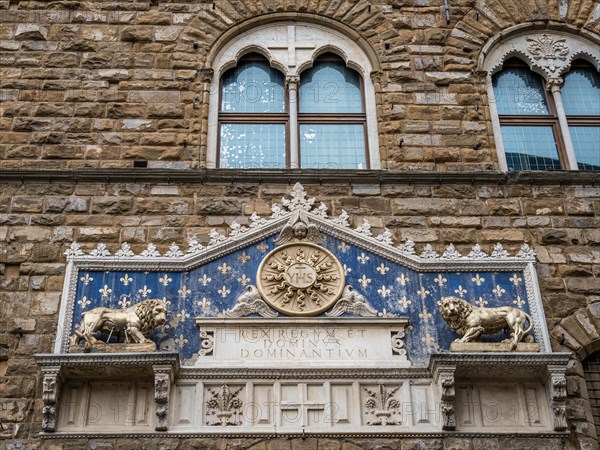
[[557, 393], [444, 377], [51, 383], [163, 376]]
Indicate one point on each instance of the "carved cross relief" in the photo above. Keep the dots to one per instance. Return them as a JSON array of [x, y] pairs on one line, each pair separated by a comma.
[[292, 46], [302, 412]]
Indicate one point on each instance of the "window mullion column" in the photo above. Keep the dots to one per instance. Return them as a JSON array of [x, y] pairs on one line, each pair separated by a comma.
[[292, 89], [554, 85]]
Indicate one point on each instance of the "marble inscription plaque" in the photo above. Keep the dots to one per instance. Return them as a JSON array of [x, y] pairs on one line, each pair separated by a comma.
[[296, 342]]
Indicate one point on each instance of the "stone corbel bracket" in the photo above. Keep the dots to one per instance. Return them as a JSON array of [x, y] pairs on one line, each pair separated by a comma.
[[163, 377], [443, 375], [59, 368], [52, 379], [556, 387], [548, 368]]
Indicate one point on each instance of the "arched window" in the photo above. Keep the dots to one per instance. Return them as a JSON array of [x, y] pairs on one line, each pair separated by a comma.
[[331, 116], [581, 99], [591, 372], [528, 122], [544, 100], [293, 94], [252, 116]]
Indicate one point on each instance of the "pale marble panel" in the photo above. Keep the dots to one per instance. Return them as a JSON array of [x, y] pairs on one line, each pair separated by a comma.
[[342, 405], [184, 406]]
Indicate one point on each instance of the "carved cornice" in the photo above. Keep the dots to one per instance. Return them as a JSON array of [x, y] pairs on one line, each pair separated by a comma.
[[307, 176], [301, 373], [473, 365], [305, 434]]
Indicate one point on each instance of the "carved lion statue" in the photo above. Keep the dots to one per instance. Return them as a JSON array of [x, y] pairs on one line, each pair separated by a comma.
[[136, 322], [471, 322]]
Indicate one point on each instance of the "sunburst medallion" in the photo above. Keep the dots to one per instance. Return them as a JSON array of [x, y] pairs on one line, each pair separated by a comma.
[[300, 279]]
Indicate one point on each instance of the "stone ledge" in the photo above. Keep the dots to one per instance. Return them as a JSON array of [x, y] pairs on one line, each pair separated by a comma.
[[487, 347], [309, 176]]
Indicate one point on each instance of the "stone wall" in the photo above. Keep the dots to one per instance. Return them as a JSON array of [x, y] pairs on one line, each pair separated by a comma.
[[38, 220], [101, 84]]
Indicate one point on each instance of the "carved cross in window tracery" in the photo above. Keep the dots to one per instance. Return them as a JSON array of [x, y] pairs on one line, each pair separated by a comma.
[[292, 45]]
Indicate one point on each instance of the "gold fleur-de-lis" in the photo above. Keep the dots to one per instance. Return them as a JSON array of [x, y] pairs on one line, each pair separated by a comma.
[[165, 280], [243, 258], [460, 291], [347, 269], [84, 302], [124, 302], [105, 291], [145, 291], [383, 269], [126, 279], [425, 315], [440, 280], [364, 281], [477, 279], [182, 315], [224, 268], [423, 293], [204, 303], [184, 292], [519, 302], [481, 302], [498, 291], [180, 341], [404, 302], [402, 279], [244, 280], [343, 247], [224, 291], [262, 247], [515, 279], [363, 258], [428, 340], [384, 292], [86, 279], [204, 280]]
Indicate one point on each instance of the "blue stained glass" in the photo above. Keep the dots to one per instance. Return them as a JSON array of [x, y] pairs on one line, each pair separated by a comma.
[[250, 145], [530, 148], [253, 87], [581, 92], [519, 91], [327, 146], [586, 142], [330, 87]]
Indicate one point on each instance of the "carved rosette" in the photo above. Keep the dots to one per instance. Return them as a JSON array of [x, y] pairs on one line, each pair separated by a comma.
[[300, 279], [50, 392], [162, 390]]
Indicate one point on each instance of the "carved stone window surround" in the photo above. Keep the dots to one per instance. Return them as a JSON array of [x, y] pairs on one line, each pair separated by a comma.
[[549, 53], [278, 43]]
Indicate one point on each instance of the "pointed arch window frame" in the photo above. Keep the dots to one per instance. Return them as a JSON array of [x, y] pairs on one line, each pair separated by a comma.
[[352, 49], [549, 53]]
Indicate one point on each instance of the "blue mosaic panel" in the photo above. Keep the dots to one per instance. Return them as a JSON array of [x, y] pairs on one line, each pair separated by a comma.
[[390, 288]]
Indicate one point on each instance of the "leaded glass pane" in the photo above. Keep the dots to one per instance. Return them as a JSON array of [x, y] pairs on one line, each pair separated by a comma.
[[253, 87], [586, 142], [330, 87], [581, 92], [530, 148], [519, 91], [250, 145], [326, 146]]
